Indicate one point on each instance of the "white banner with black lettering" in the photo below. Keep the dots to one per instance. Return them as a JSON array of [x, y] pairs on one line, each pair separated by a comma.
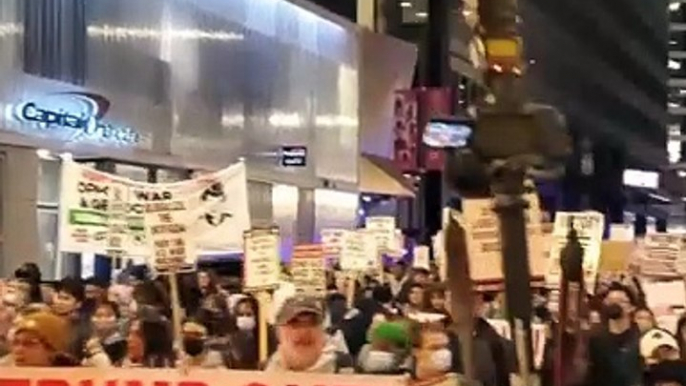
[[217, 209]]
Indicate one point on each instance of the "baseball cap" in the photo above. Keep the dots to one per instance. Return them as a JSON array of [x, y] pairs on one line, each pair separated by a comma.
[[656, 338], [52, 329], [299, 305]]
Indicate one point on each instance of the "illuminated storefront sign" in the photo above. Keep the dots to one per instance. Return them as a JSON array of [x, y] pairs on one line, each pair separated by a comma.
[[78, 116]]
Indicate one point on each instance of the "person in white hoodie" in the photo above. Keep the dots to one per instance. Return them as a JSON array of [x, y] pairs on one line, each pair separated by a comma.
[[303, 343]]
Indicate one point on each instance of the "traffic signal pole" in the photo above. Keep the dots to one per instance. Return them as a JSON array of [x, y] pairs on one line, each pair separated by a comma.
[[498, 20]]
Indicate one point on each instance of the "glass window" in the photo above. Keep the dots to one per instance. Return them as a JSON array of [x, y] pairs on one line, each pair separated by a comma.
[[136, 173], [49, 182]]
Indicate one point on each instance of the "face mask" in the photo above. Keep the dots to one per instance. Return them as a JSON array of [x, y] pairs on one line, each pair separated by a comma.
[[193, 347], [379, 362], [442, 359], [11, 299], [613, 311], [245, 323], [105, 324]]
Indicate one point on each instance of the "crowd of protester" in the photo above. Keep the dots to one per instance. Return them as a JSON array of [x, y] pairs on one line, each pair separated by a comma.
[[402, 326]]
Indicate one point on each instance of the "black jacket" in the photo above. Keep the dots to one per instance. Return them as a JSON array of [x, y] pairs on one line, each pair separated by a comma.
[[614, 359]]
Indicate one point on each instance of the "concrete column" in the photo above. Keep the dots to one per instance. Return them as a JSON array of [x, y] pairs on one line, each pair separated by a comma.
[[306, 217], [366, 13], [18, 204]]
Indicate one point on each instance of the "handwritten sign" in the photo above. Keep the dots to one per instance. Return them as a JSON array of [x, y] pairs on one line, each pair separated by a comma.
[[167, 233], [117, 221], [261, 260], [662, 251], [354, 252], [482, 229], [421, 257], [332, 243], [383, 228], [308, 270], [589, 227]]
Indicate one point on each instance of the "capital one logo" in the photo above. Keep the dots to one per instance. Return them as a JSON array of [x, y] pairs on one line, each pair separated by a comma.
[[78, 115]]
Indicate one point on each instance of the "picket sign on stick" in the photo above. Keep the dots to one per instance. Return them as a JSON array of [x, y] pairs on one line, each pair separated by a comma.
[[262, 273], [167, 232]]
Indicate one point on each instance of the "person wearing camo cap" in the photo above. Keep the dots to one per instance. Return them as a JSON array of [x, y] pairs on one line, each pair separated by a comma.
[[303, 343]]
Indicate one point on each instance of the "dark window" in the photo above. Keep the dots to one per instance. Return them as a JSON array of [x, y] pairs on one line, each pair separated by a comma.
[[55, 39]]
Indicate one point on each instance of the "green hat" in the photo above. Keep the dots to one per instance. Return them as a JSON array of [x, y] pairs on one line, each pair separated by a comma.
[[395, 333]]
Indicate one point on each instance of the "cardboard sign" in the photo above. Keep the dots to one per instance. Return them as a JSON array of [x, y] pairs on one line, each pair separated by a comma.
[[359, 249], [78, 376], [482, 229], [332, 243], [384, 229], [261, 259], [615, 256], [589, 226], [662, 251], [622, 232], [308, 270], [117, 221], [168, 235], [421, 257]]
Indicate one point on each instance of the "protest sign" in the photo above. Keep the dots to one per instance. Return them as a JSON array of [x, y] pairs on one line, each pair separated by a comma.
[[383, 228], [589, 227], [421, 257], [332, 241], [167, 232], [80, 376], [622, 232], [662, 252], [217, 208], [482, 229], [261, 259], [354, 252], [308, 270], [117, 224]]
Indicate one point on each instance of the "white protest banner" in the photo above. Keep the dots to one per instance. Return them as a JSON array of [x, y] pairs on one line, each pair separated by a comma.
[[421, 257], [308, 270], [354, 252], [117, 224], [84, 206], [167, 232], [217, 206], [261, 259], [384, 229], [589, 227], [662, 252], [482, 229], [217, 203], [81, 376]]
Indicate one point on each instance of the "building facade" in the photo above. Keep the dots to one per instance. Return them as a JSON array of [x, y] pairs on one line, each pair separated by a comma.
[[156, 90]]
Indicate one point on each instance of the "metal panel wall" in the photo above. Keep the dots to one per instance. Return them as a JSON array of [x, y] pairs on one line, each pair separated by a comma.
[[204, 81], [235, 78]]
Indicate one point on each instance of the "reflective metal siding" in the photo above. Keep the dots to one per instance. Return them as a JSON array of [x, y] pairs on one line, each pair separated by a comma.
[[211, 80]]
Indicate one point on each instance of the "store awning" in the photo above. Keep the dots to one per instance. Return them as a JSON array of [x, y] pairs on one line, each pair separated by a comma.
[[379, 175]]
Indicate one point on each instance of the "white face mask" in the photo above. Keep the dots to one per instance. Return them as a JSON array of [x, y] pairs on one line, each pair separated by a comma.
[[379, 362], [246, 323], [442, 359]]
